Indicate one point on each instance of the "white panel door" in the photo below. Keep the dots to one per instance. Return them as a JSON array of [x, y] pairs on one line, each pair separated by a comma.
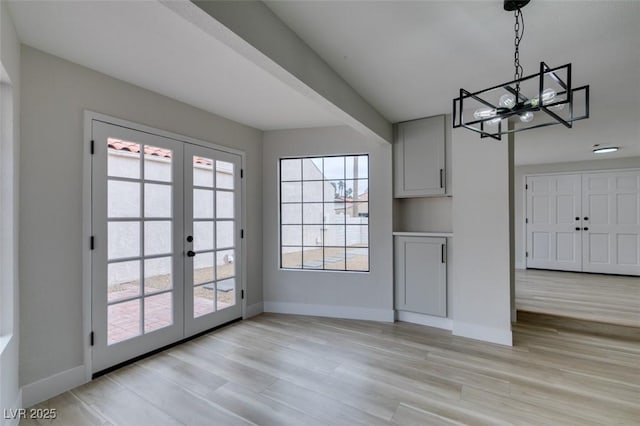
[[611, 222], [553, 223]]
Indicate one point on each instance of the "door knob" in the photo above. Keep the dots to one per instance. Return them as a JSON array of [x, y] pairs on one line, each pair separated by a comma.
[[586, 218], [585, 228], [190, 239], [577, 228], [191, 253], [577, 218]]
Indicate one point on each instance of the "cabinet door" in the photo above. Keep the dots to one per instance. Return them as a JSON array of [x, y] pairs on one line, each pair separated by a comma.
[[419, 158], [421, 275]]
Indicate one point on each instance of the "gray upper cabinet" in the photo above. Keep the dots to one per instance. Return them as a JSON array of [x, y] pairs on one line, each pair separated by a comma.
[[419, 158], [421, 275]]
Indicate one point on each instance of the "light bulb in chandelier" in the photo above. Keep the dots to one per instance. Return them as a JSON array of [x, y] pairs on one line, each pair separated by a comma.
[[482, 113], [526, 117], [507, 101], [548, 95]]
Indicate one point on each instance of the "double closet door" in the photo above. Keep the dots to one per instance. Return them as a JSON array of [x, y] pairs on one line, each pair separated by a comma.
[[166, 241], [586, 222]]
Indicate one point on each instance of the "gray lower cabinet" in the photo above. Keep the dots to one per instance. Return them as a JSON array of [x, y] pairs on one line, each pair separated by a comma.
[[421, 275]]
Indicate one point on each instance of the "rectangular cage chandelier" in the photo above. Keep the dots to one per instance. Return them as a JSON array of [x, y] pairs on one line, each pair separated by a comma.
[[538, 100]]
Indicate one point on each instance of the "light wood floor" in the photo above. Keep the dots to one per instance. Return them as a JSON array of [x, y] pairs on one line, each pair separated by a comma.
[[596, 297], [296, 370]]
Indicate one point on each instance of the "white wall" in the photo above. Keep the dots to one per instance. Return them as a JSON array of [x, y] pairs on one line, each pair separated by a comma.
[[341, 294], [9, 157], [576, 166], [481, 253], [55, 93]]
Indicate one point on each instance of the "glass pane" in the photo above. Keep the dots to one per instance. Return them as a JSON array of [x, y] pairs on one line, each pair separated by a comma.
[[312, 258], [157, 238], [225, 264], [123, 159], [312, 169], [357, 236], [312, 235], [157, 275], [123, 321], [158, 311], [157, 200], [226, 293], [357, 213], [312, 213], [334, 168], [357, 190], [291, 169], [224, 175], [291, 192], [291, 235], [203, 268], [334, 235], [202, 171], [157, 163], [225, 234], [334, 212], [123, 240], [292, 257], [334, 258], [203, 236], [334, 190], [123, 199], [357, 167], [123, 280], [312, 191], [357, 259], [203, 299], [224, 205], [202, 204], [291, 214]]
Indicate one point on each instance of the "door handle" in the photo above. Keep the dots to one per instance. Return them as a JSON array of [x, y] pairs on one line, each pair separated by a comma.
[[577, 218], [191, 253], [586, 218], [443, 253], [190, 239], [577, 228], [585, 228]]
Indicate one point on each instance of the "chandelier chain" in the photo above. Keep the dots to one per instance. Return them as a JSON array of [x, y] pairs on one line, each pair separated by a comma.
[[519, 33]]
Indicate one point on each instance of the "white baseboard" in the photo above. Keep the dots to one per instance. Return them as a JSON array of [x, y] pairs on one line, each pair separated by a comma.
[[332, 311], [253, 310], [428, 320], [39, 391], [481, 332], [17, 404]]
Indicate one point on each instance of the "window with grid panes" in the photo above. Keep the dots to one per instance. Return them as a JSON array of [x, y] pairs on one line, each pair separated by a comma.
[[324, 213]]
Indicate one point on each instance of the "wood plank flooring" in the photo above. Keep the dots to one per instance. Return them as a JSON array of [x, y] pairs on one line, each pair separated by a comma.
[[595, 297], [297, 370]]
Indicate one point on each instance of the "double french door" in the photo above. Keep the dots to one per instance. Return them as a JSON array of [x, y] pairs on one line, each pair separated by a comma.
[[166, 241], [586, 222]]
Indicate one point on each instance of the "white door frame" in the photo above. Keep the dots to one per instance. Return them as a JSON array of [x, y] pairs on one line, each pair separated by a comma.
[[89, 116], [571, 172]]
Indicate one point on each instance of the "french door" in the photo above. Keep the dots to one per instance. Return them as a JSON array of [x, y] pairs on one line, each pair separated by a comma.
[[584, 222], [166, 247]]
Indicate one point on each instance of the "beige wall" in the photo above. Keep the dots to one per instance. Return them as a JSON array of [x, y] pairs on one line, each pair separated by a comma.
[[55, 93], [342, 294], [9, 156]]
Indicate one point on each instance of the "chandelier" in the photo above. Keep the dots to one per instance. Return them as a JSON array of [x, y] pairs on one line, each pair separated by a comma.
[[542, 99]]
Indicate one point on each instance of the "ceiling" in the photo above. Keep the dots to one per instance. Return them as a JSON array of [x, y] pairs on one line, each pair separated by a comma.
[[408, 59], [146, 44]]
